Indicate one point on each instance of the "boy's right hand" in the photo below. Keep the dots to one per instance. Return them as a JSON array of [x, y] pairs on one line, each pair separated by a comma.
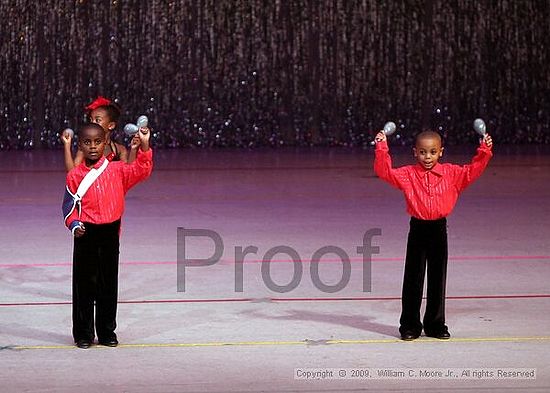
[[79, 231], [66, 138], [380, 137]]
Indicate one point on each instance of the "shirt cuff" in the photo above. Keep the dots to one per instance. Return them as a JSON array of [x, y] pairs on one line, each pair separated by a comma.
[[145, 156], [382, 146], [75, 224], [484, 148]]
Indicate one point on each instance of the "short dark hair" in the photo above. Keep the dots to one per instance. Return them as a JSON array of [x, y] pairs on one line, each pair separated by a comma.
[[429, 134], [90, 125]]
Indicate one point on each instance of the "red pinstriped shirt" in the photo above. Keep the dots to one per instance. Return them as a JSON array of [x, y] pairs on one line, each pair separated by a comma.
[[430, 194], [104, 201]]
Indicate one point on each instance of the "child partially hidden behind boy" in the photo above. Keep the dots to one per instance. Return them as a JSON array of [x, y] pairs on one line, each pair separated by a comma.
[[92, 209], [431, 190]]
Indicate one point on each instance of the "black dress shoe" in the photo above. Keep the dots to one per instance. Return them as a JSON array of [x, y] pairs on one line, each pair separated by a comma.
[[409, 335], [112, 342], [442, 334], [83, 344]]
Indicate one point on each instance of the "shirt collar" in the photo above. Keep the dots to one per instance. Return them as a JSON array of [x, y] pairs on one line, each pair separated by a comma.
[[96, 165], [436, 170]]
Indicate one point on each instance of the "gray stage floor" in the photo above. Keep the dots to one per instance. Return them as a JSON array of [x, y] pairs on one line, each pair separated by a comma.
[[214, 338]]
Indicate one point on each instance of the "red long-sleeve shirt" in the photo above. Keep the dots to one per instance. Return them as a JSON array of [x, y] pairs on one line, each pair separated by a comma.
[[104, 201], [430, 194]]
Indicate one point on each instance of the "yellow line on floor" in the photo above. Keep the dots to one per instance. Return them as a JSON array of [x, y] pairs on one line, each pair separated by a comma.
[[283, 343]]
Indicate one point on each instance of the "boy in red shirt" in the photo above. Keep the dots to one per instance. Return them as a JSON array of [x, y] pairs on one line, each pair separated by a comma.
[[92, 208], [431, 190]]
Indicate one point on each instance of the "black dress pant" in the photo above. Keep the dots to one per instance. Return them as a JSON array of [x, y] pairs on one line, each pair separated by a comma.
[[426, 246], [95, 280]]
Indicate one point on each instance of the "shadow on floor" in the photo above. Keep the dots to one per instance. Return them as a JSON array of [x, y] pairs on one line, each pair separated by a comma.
[[355, 321]]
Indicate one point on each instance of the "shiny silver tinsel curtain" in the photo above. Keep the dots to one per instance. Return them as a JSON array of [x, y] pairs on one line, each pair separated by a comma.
[[255, 72]]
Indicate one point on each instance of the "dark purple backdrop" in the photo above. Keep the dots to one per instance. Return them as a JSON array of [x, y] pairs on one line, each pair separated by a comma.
[[256, 72]]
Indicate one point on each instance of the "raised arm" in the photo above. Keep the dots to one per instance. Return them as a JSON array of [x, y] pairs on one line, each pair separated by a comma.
[[468, 173], [134, 147], [383, 163], [67, 140], [141, 168]]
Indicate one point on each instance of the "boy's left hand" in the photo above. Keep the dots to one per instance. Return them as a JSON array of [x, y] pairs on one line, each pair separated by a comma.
[[144, 136], [488, 140]]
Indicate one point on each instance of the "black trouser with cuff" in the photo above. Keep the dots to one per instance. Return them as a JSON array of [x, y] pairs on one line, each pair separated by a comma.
[[426, 247], [95, 279]]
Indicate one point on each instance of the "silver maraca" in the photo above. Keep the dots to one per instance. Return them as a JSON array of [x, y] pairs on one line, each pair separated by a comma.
[[142, 121], [479, 126], [389, 128], [68, 132], [131, 129]]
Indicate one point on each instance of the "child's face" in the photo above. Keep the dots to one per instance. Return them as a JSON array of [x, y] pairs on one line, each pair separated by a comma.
[[92, 143], [100, 116], [428, 151]]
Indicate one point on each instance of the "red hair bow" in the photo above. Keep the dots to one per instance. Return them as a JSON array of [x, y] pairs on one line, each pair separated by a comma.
[[99, 101]]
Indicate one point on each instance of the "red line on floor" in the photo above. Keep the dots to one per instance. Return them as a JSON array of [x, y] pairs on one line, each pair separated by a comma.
[[324, 260]]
